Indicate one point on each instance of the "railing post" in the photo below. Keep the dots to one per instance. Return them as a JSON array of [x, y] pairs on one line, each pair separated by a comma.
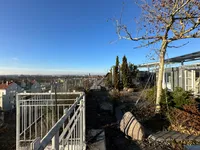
[[84, 122], [35, 144], [81, 123], [55, 141], [25, 118], [17, 123]]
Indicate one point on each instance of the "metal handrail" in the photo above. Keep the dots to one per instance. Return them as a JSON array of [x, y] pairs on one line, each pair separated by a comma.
[[40, 144], [29, 94]]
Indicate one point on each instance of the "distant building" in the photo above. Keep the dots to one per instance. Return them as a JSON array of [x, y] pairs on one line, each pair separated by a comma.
[[8, 95], [23, 84], [35, 87], [45, 86], [31, 86]]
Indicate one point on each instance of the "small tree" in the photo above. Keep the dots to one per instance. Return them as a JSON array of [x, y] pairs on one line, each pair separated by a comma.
[[109, 79], [125, 72], [132, 73], [116, 74], [164, 22]]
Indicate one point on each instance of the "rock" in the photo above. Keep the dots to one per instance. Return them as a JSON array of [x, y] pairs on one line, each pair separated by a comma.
[[114, 90], [125, 89], [131, 127], [130, 90]]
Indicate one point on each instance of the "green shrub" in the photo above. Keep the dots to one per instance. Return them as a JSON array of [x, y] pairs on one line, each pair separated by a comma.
[[151, 95], [177, 98], [181, 97], [166, 98]]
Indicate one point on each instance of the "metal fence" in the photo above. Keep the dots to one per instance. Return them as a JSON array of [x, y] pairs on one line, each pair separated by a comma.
[[72, 84], [50, 121]]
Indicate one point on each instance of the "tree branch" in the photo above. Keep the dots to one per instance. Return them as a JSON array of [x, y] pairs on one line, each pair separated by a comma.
[[193, 27], [149, 43], [178, 46], [129, 36], [195, 35], [185, 18], [174, 31], [174, 13]]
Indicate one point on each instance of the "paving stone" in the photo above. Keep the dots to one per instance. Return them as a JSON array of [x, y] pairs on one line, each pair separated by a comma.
[[173, 135]]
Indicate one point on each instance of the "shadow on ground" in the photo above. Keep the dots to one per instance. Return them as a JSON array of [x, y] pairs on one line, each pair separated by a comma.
[[97, 118], [8, 132]]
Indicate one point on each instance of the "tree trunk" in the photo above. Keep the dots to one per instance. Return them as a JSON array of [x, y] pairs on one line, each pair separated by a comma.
[[160, 75]]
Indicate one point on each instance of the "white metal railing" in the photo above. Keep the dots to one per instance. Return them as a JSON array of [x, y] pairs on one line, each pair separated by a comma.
[[38, 128]]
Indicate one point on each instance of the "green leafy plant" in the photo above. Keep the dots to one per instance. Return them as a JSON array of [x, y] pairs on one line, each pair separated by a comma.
[[165, 97], [177, 98], [181, 97], [150, 94]]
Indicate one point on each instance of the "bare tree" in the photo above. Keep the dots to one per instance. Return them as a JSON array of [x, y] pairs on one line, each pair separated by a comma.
[[164, 22]]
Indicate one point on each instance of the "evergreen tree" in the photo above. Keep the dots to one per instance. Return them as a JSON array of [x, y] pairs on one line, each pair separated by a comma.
[[133, 71], [116, 74], [125, 72], [109, 79]]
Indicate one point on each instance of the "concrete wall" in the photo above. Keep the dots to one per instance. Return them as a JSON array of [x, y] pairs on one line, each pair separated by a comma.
[[178, 79], [167, 79], [2, 92], [173, 77], [182, 78], [175, 81]]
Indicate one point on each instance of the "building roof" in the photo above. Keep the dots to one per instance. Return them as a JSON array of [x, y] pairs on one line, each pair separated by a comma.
[[148, 65], [5, 86], [179, 59], [185, 58]]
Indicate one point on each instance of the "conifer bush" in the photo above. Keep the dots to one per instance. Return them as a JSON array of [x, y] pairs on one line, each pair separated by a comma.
[[181, 97]]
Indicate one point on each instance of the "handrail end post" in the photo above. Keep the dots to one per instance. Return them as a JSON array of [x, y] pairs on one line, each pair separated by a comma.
[[35, 144]]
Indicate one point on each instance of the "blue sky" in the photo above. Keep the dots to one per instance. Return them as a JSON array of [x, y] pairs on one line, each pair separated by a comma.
[[67, 37]]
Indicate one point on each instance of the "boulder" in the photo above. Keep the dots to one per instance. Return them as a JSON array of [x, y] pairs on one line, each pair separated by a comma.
[[131, 127]]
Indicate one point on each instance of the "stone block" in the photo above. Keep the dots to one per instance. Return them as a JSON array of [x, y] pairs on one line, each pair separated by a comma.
[[131, 127]]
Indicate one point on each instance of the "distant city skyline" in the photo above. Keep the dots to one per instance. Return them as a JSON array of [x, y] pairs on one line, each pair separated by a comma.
[[27, 71], [69, 37]]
